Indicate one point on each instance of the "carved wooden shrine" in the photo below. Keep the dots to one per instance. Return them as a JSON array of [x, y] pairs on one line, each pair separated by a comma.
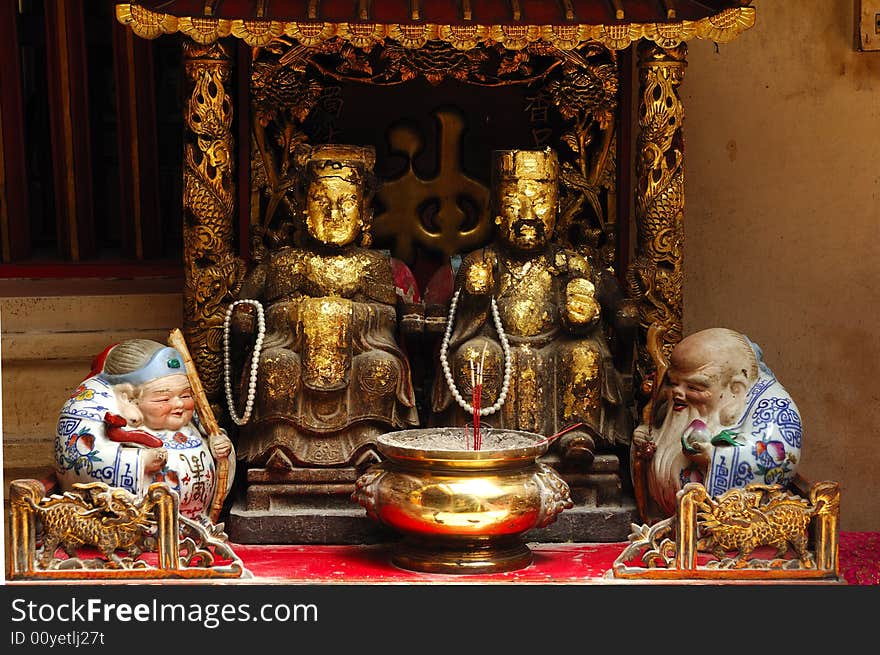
[[435, 87]]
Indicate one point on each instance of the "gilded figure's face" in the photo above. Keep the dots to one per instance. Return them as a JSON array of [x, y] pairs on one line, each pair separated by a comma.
[[527, 212], [333, 209]]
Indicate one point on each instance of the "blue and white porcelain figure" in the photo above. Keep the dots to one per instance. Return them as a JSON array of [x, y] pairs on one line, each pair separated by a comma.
[[132, 423], [728, 421]]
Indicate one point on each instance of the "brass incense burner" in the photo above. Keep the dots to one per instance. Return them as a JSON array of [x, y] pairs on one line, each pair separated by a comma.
[[462, 510]]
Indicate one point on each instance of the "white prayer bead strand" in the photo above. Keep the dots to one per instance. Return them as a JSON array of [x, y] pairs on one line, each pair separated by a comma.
[[444, 362], [255, 361]]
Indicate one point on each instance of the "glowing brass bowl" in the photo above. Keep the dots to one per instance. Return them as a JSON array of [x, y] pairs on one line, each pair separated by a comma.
[[460, 510]]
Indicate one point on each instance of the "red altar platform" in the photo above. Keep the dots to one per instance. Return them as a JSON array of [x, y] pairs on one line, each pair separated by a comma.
[[553, 563]]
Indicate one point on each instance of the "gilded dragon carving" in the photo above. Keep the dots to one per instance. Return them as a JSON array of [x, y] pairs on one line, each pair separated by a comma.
[[109, 519], [212, 271], [718, 538], [97, 519], [655, 276], [742, 520]]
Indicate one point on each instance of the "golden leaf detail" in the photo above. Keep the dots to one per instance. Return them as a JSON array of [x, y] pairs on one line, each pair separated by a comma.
[[571, 141]]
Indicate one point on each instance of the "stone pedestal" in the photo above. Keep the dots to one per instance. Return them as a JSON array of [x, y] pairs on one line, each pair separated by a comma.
[[603, 511], [302, 506], [313, 506]]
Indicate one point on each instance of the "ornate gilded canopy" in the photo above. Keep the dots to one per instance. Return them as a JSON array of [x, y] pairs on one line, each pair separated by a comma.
[[464, 23]]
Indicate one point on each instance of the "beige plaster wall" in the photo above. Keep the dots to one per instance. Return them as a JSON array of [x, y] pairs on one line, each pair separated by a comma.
[[782, 223]]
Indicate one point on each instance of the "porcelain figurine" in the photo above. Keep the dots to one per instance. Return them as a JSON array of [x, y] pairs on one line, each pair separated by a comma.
[[132, 423], [528, 314], [328, 376], [723, 419]]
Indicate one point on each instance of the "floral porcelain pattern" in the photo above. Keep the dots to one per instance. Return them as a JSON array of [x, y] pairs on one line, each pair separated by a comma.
[[770, 434]]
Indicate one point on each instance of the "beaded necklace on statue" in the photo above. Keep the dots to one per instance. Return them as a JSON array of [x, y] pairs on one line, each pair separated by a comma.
[[255, 362], [444, 362]]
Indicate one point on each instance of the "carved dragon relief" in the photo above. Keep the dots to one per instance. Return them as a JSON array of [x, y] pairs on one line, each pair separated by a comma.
[[96, 519], [655, 277], [109, 519], [212, 271], [730, 529]]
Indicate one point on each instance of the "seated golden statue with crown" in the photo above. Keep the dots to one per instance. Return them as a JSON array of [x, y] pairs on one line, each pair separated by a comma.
[[526, 313], [326, 375]]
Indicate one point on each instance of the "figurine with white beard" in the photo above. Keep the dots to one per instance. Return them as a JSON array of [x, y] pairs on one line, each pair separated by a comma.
[[724, 421]]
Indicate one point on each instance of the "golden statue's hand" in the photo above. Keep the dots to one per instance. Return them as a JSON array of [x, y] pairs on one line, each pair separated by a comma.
[[479, 280], [581, 306]]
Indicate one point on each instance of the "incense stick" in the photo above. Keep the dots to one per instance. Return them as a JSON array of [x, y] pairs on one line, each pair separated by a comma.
[[560, 433]]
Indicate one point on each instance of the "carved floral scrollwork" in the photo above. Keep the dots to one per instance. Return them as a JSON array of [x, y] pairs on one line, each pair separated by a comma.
[[586, 95], [486, 65], [721, 28], [435, 62], [282, 96]]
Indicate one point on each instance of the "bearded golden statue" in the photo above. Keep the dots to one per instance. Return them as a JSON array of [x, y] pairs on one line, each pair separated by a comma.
[[326, 376], [544, 299]]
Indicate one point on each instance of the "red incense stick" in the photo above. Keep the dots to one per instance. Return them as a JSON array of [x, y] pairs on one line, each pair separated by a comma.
[[478, 399], [478, 437], [560, 433]]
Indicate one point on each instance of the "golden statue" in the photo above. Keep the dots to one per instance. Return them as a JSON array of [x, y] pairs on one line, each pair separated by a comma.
[[549, 366], [325, 376]]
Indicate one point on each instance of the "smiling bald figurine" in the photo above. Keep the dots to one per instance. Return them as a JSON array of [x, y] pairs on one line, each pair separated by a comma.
[[132, 422]]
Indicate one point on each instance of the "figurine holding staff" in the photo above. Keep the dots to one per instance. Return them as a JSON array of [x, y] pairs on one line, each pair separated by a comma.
[[142, 417]]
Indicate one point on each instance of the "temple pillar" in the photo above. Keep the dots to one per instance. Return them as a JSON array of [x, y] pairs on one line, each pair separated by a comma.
[[655, 277], [212, 271]]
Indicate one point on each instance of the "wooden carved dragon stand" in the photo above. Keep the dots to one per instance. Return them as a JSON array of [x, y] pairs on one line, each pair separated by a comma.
[[723, 538], [95, 519]]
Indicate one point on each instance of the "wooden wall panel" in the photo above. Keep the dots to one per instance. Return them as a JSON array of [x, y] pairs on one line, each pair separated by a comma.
[[69, 115], [142, 233], [15, 241]]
